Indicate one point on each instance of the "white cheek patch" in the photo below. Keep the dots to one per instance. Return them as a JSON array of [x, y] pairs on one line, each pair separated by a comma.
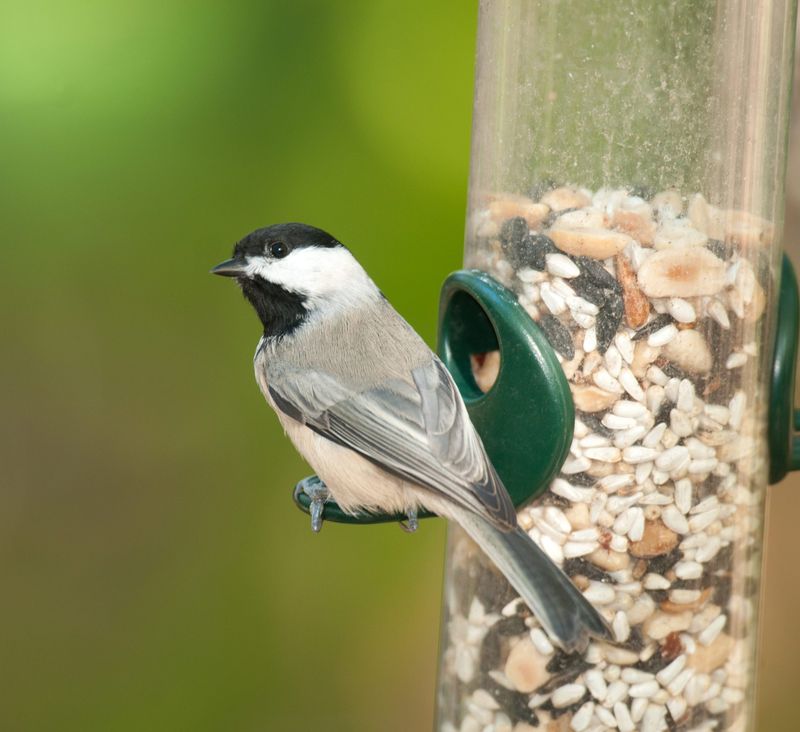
[[319, 273]]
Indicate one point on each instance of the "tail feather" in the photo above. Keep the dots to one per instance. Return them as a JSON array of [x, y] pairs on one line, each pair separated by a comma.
[[566, 615]]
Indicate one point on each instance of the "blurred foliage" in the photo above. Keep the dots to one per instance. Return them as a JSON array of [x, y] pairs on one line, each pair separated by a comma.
[[155, 575]]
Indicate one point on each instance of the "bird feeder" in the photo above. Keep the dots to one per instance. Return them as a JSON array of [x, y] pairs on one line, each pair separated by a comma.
[[625, 339]]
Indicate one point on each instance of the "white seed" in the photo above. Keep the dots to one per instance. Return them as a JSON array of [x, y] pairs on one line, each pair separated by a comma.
[[606, 381], [623, 717], [708, 550], [625, 346], [736, 406], [669, 672], [683, 495], [484, 699], [716, 310], [562, 288], [681, 310], [624, 521], [696, 689], [644, 690], [573, 493], [736, 360], [618, 543], [659, 477], [579, 306], [605, 716], [612, 483], [709, 635], [698, 467], [630, 383], [616, 689], [636, 676], [636, 531], [675, 520], [653, 437], [541, 642], [671, 389], [698, 450], [567, 694], [657, 376], [596, 684], [552, 548], [557, 519], [662, 336], [562, 266], [642, 472], [603, 454], [615, 422], [594, 440], [582, 718], [613, 361], [582, 319], [590, 534], [670, 459], [654, 581], [685, 401], [621, 627], [718, 413], [599, 593], [554, 302], [590, 340], [627, 408], [653, 719], [615, 504], [677, 685], [689, 570], [701, 521], [683, 596], [626, 438], [680, 423], [655, 499], [579, 548], [635, 454], [576, 465]]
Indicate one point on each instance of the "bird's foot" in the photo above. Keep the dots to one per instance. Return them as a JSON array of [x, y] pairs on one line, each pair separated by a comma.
[[317, 491], [412, 522]]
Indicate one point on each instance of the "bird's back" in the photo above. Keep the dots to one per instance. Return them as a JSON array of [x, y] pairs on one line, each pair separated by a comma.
[[363, 348]]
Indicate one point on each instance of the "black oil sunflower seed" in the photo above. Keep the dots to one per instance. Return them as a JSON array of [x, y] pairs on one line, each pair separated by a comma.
[[589, 290], [584, 480], [532, 252], [513, 232], [597, 273], [594, 424], [720, 249], [515, 625], [558, 335], [608, 320]]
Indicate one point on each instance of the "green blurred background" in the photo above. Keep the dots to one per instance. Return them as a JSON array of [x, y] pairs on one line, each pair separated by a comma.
[[155, 575]]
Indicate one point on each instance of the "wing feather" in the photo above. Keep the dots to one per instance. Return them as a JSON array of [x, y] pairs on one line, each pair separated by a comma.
[[418, 430]]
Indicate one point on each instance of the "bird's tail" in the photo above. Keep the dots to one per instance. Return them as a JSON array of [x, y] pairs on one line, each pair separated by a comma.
[[566, 615]]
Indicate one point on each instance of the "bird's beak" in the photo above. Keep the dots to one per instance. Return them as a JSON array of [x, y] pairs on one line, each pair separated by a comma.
[[230, 268]]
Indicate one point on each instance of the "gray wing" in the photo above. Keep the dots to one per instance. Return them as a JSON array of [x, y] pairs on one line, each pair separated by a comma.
[[418, 431]]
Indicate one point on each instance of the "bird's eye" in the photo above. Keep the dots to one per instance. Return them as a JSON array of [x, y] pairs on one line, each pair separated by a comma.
[[278, 249]]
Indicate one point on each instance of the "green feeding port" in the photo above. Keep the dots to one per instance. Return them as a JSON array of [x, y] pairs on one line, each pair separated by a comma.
[[784, 444], [527, 438]]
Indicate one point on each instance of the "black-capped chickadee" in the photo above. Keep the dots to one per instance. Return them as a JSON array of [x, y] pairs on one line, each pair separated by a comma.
[[376, 414]]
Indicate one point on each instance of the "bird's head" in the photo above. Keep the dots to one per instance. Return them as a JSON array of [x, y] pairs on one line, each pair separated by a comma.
[[290, 272]]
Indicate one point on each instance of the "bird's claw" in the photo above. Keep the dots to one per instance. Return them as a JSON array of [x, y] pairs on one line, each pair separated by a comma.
[[317, 491], [412, 522]]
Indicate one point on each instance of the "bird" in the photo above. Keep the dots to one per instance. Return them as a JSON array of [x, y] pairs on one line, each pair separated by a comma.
[[377, 415]]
